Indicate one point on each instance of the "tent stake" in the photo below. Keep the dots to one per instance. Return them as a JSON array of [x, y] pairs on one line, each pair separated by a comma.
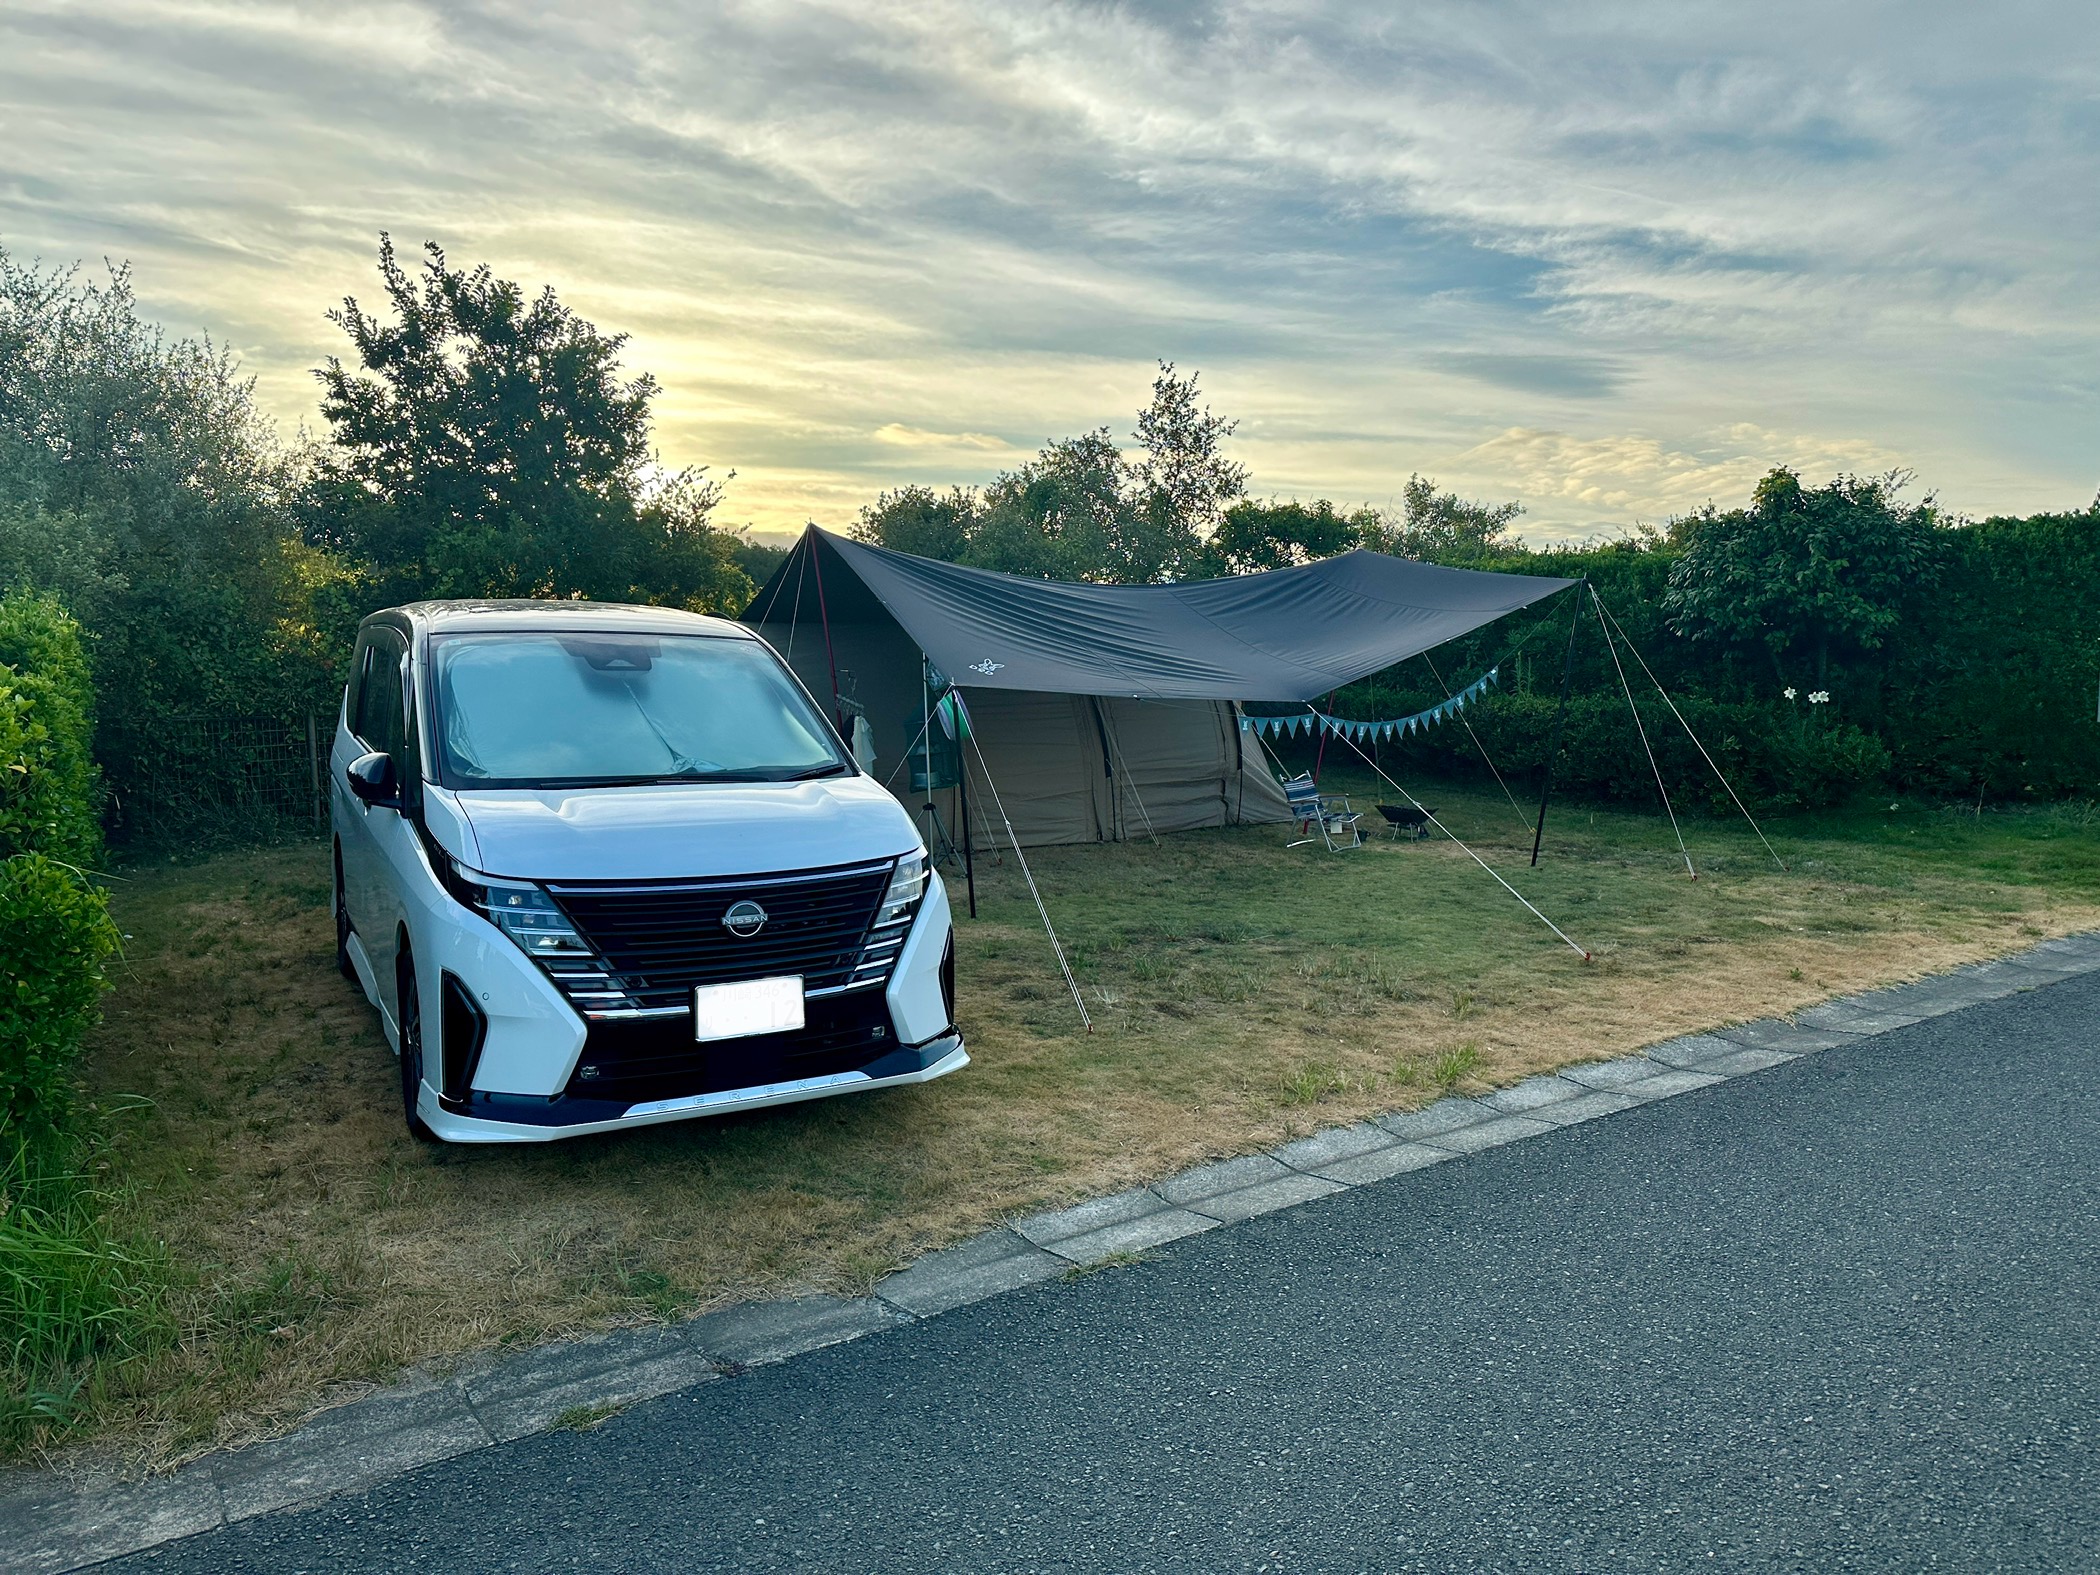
[[1560, 718]]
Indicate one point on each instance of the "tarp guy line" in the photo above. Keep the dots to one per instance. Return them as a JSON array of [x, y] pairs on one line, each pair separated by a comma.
[[1108, 731], [1028, 875], [1476, 858], [1641, 727], [1484, 755], [1688, 733]]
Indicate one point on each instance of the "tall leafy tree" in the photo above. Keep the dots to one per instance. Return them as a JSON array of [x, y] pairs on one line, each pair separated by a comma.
[[1814, 577], [1443, 527], [1254, 536], [484, 444], [139, 483], [1183, 484]]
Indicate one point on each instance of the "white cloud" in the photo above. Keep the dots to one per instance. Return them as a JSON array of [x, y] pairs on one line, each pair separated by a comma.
[[1614, 259], [1572, 486]]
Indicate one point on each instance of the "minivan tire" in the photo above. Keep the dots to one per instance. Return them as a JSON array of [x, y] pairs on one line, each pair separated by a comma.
[[410, 1006], [343, 964]]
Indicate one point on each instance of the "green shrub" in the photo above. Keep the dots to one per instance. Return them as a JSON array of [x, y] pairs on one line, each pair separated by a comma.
[[1775, 758], [50, 800], [55, 931], [73, 1296], [55, 937]]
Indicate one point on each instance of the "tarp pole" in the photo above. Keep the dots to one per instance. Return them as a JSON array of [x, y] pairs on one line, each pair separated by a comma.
[[963, 809], [837, 711], [1560, 719]]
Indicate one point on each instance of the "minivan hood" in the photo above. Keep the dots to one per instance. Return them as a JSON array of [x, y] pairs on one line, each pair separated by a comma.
[[683, 830]]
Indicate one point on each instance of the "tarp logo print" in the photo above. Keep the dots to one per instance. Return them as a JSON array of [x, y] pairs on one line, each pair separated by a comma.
[[986, 667]]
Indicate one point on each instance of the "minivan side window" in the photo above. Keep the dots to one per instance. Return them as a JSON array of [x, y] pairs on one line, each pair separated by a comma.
[[378, 719]]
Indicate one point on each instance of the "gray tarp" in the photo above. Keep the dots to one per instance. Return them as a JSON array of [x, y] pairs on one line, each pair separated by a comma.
[[1293, 634]]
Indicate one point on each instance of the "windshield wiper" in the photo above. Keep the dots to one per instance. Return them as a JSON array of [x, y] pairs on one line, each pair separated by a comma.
[[832, 770]]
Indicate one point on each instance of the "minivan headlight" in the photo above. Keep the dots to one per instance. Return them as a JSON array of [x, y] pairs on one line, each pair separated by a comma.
[[907, 886], [520, 909], [529, 916]]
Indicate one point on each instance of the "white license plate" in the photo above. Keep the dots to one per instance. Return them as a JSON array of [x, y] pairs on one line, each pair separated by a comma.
[[750, 1006]]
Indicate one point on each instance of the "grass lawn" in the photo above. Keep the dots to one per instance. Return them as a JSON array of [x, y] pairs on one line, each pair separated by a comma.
[[1241, 992]]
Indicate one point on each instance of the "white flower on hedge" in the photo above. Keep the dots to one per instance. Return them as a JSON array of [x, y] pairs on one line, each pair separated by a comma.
[[1790, 691], [1820, 697]]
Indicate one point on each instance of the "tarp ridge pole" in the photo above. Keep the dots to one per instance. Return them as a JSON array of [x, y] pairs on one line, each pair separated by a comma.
[[1429, 816], [795, 613], [1640, 727], [1688, 733], [1560, 718], [1028, 875], [837, 711], [1477, 744]]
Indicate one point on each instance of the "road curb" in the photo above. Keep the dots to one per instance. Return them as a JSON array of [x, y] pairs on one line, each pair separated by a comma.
[[49, 1525]]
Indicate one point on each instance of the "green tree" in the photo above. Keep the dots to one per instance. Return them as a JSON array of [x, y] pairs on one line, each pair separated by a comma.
[[487, 445], [922, 522], [1442, 527], [1183, 484], [139, 483], [1255, 536], [1815, 577]]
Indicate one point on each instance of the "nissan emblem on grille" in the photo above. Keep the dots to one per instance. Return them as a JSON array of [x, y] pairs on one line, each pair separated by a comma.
[[746, 919]]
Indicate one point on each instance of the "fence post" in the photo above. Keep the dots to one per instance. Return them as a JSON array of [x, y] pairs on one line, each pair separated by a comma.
[[313, 764]]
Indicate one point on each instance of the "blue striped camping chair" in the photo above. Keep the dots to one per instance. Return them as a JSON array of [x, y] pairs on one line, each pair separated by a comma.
[[1338, 825]]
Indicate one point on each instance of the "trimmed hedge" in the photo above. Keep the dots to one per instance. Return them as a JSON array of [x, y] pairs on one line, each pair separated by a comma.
[[55, 930], [1775, 758]]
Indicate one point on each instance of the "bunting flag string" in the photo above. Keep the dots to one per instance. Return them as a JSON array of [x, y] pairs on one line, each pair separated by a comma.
[[1360, 732]]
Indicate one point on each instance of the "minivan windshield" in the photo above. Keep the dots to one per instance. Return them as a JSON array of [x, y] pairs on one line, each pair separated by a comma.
[[601, 709]]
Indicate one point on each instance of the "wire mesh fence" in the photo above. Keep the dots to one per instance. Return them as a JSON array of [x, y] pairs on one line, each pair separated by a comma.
[[220, 777]]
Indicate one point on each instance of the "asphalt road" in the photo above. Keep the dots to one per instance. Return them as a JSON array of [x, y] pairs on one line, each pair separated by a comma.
[[1843, 1315]]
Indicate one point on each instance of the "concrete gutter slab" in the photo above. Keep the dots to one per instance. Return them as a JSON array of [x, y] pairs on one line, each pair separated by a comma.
[[1265, 1197], [1490, 1134], [1618, 1073], [1446, 1115], [759, 1332], [1131, 1236], [1588, 1107], [995, 1262], [1666, 1084], [1207, 1181], [350, 1447], [1532, 1094], [64, 1528], [1694, 1050], [1335, 1143], [528, 1393], [1773, 1033], [1381, 1163]]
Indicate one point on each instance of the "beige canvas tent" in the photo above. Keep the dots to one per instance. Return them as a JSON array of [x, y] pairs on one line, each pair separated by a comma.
[[1099, 712]]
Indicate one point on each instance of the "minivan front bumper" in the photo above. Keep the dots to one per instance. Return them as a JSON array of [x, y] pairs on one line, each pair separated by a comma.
[[527, 1118]]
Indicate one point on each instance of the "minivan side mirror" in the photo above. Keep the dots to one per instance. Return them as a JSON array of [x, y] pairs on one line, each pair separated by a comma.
[[371, 780]]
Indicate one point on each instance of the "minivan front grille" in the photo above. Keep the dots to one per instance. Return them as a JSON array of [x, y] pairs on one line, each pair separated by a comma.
[[660, 940]]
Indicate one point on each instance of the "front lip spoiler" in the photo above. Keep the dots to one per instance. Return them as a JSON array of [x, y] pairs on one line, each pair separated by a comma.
[[529, 1118]]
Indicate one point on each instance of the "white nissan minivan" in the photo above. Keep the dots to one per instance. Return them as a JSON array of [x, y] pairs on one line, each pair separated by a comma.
[[604, 866]]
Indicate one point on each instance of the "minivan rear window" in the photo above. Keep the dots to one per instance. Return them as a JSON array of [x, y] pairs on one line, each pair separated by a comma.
[[597, 709]]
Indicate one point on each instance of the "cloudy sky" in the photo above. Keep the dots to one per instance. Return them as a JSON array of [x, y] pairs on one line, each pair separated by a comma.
[[1611, 259]]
